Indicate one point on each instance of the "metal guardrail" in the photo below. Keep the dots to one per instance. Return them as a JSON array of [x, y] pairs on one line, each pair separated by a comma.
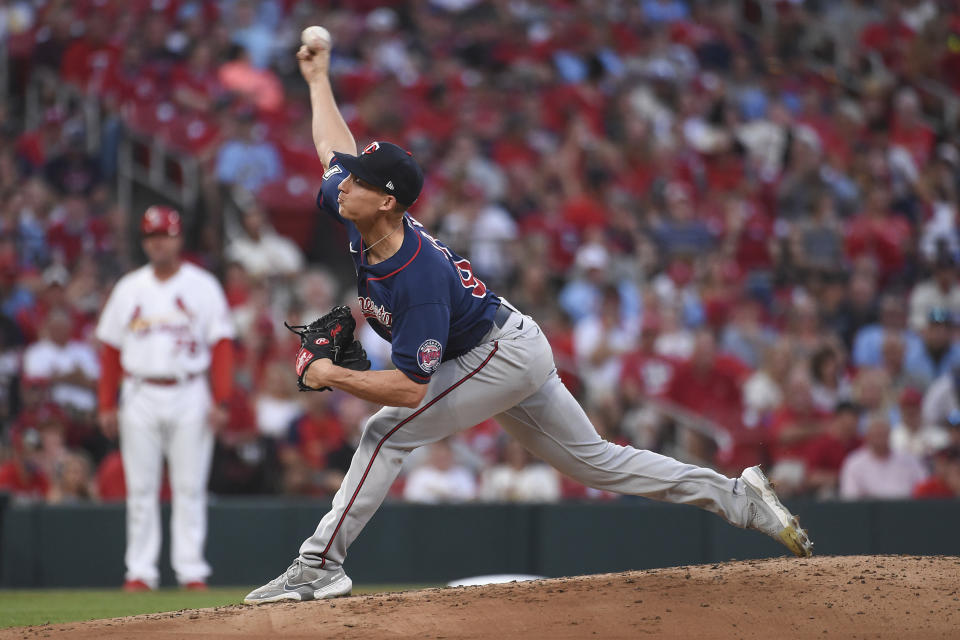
[[695, 423], [155, 171], [151, 167]]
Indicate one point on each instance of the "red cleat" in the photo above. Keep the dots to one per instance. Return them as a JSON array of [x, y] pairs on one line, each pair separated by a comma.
[[135, 586], [196, 585]]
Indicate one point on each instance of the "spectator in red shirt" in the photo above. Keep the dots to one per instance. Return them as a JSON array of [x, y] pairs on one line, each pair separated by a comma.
[[890, 36], [944, 482], [792, 428], [22, 476], [646, 373], [35, 148], [826, 452], [111, 484], [710, 383], [748, 234], [51, 296], [89, 59], [909, 131], [317, 438], [195, 83], [877, 232]]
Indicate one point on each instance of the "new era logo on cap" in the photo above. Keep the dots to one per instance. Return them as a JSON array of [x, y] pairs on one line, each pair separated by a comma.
[[387, 166]]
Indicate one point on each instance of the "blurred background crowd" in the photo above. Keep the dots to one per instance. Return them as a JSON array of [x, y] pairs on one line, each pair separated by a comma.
[[736, 221]]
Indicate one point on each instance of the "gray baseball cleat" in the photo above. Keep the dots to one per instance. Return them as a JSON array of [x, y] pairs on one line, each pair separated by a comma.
[[301, 582], [770, 516]]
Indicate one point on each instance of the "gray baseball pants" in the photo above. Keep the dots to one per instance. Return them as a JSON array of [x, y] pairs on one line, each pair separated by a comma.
[[511, 377]]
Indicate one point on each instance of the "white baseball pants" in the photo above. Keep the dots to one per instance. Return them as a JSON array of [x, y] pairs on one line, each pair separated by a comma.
[[511, 376], [158, 422]]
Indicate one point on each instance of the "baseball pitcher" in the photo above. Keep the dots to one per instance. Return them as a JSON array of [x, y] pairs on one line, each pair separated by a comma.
[[166, 338], [462, 355]]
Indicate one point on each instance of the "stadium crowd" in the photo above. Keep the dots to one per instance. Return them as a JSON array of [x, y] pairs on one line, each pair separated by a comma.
[[735, 221]]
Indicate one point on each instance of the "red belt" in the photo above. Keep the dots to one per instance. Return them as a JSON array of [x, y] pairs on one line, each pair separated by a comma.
[[166, 382]]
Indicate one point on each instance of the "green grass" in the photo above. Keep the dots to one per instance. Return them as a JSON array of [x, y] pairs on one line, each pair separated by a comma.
[[42, 606]]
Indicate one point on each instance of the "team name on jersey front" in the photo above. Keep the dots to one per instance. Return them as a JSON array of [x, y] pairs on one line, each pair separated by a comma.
[[371, 309]]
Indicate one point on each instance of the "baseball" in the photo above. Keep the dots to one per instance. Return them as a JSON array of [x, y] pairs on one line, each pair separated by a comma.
[[316, 38]]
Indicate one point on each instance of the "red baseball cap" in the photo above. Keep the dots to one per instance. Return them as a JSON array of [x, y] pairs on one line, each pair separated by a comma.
[[911, 397], [159, 219]]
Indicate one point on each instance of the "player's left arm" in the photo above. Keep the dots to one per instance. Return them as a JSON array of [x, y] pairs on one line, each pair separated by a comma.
[[109, 333], [419, 339], [218, 333], [390, 388]]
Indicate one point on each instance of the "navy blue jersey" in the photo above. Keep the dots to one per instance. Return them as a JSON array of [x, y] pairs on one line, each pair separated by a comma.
[[424, 299]]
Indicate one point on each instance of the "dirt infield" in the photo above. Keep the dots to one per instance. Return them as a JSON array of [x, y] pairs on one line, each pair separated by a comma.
[[822, 597]]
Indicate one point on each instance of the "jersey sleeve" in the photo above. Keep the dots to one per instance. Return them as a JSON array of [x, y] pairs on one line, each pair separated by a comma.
[[110, 327], [219, 321], [327, 198], [419, 338]]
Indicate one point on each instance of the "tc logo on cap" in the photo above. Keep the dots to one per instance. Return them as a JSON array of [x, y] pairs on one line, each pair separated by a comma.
[[370, 148]]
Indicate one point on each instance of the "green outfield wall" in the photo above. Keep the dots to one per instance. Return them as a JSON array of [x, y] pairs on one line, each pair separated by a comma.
[[252, 540]]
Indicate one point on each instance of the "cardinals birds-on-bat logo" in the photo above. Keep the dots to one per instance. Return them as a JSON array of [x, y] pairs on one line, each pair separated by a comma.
[[180, 305], [136, 323]]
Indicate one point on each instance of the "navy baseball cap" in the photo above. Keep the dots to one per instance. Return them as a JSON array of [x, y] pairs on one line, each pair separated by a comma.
[[387, 166]]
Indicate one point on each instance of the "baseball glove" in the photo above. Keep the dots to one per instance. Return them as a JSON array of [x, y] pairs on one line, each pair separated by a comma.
[[330, 336]]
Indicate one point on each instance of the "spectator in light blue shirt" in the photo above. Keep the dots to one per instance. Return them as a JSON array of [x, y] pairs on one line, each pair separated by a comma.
[[245, 161], [665, 11], [255, 28], [582, 295], [868, 341]]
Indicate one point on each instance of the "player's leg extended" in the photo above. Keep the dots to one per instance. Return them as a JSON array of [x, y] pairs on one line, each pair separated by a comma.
[[552, 425], [462, 393], [141, 449], [189, 453]]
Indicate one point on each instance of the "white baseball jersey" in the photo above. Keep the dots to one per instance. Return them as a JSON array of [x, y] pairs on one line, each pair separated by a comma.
[[165, 329], [46, 359]]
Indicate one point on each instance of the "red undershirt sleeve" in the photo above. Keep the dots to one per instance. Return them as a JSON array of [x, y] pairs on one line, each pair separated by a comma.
[[221, 371], [110, 372]]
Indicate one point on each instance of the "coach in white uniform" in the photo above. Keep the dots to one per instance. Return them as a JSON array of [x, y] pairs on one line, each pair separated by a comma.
[[166, 346]]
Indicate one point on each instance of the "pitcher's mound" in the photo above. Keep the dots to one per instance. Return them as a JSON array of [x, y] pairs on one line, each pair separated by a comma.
[[821, 597]]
